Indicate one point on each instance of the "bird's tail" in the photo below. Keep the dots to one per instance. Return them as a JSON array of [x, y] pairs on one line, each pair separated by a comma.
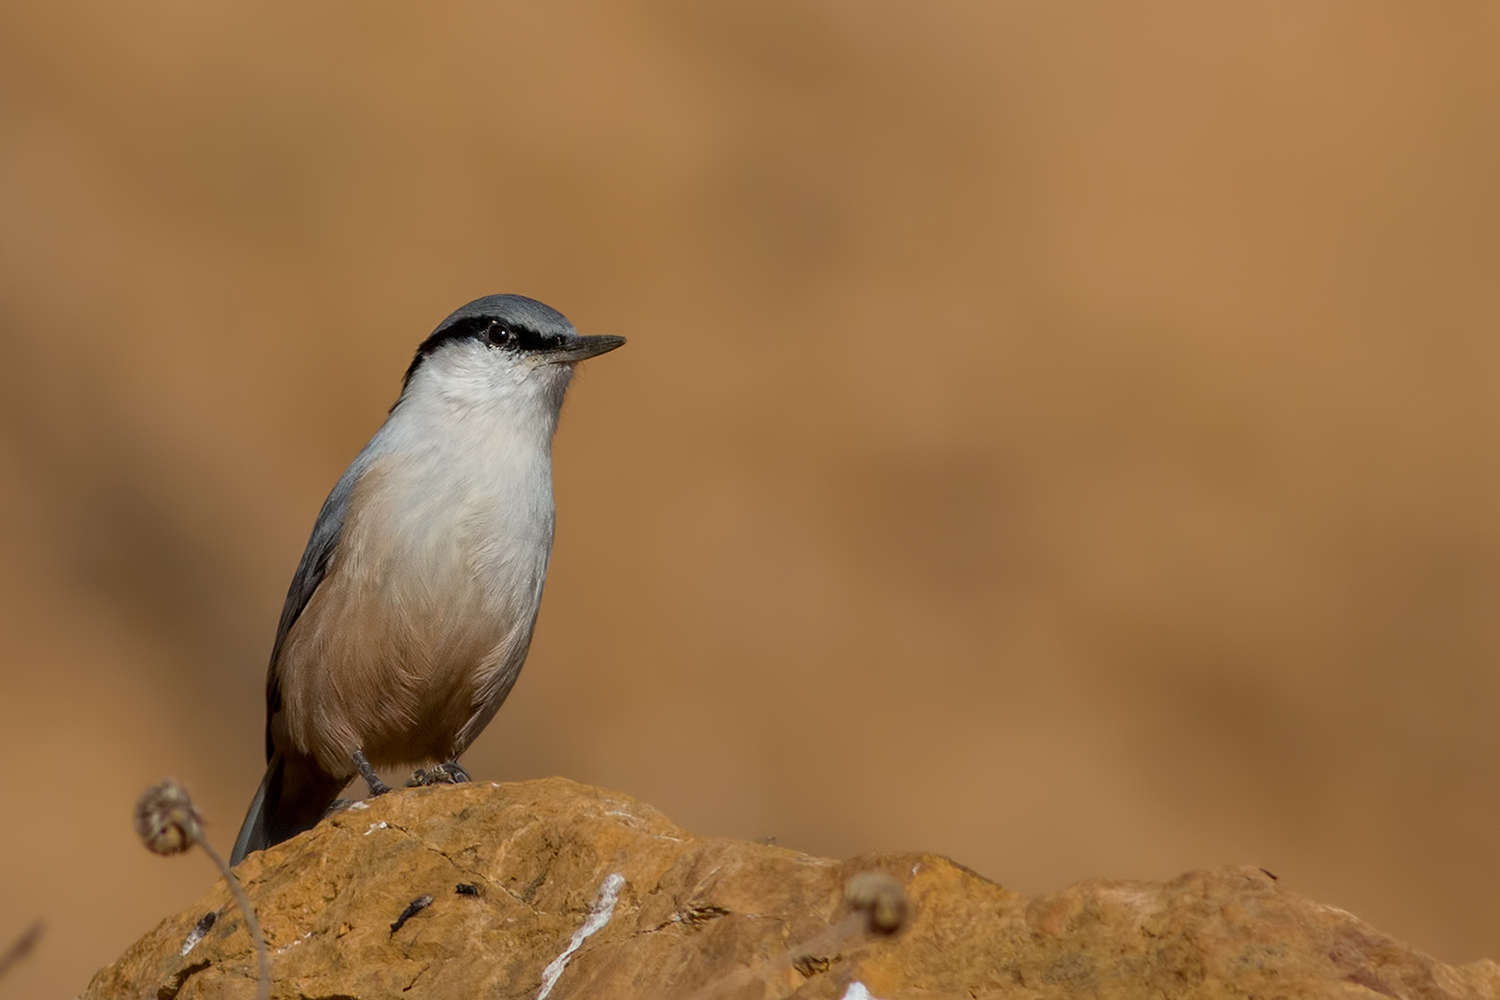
[[295, 793]]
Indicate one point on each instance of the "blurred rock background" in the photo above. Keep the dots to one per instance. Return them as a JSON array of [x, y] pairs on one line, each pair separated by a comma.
[[1065, 437]]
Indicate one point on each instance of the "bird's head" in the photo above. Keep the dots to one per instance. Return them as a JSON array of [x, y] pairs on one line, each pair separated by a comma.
[[502, 349]]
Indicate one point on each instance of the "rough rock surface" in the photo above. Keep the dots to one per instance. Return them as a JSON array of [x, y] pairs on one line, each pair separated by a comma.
[[553, 889]]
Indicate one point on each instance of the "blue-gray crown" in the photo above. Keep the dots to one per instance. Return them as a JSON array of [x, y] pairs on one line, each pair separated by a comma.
[[515, 323]]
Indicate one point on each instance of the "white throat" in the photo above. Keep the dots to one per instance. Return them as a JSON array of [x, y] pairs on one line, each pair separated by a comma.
[[466, 459]]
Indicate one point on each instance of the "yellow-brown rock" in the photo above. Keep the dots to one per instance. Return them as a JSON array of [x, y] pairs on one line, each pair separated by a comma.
[[551, 888]]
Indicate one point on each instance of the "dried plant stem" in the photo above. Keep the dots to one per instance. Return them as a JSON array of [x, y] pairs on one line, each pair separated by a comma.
[[168, 823], [879, 910], [21, 947], [766, 970], [263, 988]]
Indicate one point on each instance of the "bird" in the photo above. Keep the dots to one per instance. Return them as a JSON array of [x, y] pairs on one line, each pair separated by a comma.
[[412, 608]]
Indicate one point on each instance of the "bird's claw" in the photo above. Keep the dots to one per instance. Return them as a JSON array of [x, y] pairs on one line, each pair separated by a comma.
[[451, 773]]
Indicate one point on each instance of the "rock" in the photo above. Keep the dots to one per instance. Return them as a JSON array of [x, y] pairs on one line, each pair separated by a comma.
[[554, 889]]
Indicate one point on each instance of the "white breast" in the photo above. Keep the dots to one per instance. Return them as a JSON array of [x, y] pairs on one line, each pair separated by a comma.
[[417, 633]]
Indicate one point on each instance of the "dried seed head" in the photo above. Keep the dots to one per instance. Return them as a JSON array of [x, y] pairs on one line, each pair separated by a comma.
[[166, 820], [881, 898]]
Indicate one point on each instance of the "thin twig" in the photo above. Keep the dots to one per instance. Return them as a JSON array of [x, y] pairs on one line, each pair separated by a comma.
[[878, 910], [168, 823], [21, 947], [263, 989]]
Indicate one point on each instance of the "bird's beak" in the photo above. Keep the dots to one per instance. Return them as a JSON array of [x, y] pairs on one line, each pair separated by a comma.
[[577, 347]]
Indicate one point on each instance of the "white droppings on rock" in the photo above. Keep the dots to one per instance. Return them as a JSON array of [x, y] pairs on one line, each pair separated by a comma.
[[375, 826], [857, 991], [604, 908], [292, 944]]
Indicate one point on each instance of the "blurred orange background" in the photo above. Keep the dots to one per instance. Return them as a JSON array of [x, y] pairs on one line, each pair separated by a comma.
[[1061, 436]]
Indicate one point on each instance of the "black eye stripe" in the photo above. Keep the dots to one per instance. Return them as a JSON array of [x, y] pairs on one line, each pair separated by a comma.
[[514, 336], [494, 333]]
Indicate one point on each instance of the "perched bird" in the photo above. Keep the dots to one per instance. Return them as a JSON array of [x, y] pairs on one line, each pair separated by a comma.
[[411, 611]]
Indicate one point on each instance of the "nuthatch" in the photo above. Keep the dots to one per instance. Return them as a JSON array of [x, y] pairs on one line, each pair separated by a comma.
[[412, 609]]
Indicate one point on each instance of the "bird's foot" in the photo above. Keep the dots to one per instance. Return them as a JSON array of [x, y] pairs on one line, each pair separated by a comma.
[[361, 764], [451, 773]]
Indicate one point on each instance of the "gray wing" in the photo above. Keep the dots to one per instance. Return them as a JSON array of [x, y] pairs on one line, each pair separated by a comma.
[[311, 570]]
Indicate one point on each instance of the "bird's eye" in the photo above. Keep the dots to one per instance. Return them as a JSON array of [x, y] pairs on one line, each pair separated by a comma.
[[497, 335]]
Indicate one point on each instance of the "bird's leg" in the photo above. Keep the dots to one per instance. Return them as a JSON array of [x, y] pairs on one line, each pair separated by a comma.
[[451, 773], [377, 787]]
